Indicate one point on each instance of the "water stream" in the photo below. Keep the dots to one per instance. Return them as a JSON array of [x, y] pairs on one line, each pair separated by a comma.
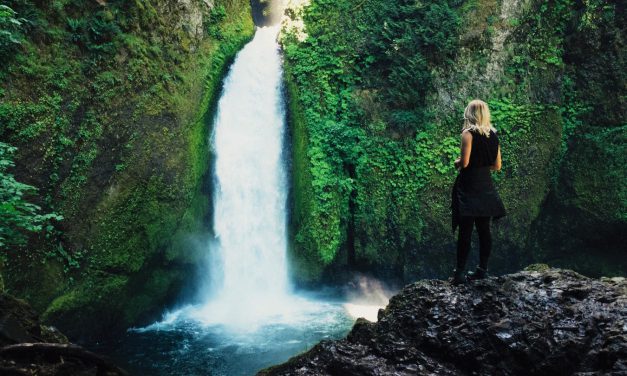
[[249, 266], [249, 317]]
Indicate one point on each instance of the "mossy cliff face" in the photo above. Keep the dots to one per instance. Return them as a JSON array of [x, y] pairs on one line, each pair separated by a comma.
[[110, 105], [377, 92]]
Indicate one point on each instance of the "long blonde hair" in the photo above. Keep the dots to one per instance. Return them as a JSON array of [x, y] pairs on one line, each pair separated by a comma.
[[477, 117]]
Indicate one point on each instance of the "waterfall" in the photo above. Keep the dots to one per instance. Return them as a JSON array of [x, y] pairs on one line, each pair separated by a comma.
[[248, 317], [248, 257], [251, 189], [248, 290], [248, 287]]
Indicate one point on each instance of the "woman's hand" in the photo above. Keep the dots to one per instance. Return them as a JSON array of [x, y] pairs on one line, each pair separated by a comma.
[[458, 162], [497, 164]]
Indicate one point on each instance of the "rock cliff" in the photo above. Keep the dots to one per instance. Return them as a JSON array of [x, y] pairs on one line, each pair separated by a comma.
[[539, 321], [377, 92], [110, 105]]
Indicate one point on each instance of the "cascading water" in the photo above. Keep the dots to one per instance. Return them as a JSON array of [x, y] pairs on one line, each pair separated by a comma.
[[247, 260], [250, 174], [249, 254], [249, 318]]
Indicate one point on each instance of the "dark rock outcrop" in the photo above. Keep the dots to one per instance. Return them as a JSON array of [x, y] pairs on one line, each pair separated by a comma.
[[19, 323], [29, 348], [539, 321]]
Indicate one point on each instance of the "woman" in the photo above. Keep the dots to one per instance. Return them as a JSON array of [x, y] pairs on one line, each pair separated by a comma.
[[474, 197]]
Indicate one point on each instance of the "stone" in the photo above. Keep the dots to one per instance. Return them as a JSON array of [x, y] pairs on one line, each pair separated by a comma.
[[29, 348], [540, 321]]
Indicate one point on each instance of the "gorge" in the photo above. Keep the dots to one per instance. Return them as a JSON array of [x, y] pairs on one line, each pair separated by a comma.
[[180, 168]]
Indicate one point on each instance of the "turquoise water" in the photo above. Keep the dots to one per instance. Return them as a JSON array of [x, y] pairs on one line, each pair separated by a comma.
[[181, 345]]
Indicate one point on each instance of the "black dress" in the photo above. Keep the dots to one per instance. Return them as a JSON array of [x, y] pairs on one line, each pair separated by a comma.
[[474, 193]]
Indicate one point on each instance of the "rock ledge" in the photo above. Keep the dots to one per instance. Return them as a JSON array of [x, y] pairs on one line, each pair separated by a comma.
[[540, 321]]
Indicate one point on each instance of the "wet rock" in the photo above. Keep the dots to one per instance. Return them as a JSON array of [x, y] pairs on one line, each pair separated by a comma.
[[18, 322], [29, 348], [540, 321]]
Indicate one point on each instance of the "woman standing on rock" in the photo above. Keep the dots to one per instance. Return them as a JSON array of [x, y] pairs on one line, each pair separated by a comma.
[[474, 197]]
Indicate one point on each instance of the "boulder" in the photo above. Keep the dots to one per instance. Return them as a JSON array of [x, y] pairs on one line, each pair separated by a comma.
[[29, 348], [540, 321]]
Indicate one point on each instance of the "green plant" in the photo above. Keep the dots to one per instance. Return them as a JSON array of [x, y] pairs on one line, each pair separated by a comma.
[[212, 25], [11, 28], [364, 143], [18, 215], [76, 27]]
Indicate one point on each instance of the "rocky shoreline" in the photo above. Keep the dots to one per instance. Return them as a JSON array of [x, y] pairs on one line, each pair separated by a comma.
[[540, 321]]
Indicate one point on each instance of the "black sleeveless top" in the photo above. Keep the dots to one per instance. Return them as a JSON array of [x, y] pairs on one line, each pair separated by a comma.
[[474, 193], [484, 149]]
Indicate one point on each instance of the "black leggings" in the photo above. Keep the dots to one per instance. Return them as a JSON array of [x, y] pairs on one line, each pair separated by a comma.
[[463, 240]]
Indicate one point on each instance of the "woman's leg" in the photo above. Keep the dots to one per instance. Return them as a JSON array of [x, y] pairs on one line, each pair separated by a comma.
[[485, 240], [463, 241]]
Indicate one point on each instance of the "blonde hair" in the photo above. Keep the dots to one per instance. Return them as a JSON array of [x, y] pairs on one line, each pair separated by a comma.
[[477, 117]]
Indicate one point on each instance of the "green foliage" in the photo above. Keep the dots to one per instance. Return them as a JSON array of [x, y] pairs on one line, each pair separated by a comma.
[[70, 260], [596, 13], [212, 25], [362, 74], [515, 124], [111, 108], [11, 28], [18, 216], [76, 28], [573, 110], [542, 49], [377, 88]]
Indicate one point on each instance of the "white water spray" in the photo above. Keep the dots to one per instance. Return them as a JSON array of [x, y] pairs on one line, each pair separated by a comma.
[[249, 289], [249, 286], [249, 254]]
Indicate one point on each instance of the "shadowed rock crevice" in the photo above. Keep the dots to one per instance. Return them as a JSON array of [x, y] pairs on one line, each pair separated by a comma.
[[535, 322]]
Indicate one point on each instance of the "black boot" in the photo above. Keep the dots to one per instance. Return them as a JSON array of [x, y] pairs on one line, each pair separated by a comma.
[[458, 277], [480, 273]]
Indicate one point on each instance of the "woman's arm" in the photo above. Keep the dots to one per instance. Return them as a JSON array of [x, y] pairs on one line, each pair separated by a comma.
[[497, 165], [466, 147]]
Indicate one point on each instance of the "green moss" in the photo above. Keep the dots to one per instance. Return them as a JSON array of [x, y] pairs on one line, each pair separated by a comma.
[[537, 268], [45, 280], [586, 210], [382, 120], [306, 264], [598, 189], [94, 292], [97, 302], [118, 145]]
